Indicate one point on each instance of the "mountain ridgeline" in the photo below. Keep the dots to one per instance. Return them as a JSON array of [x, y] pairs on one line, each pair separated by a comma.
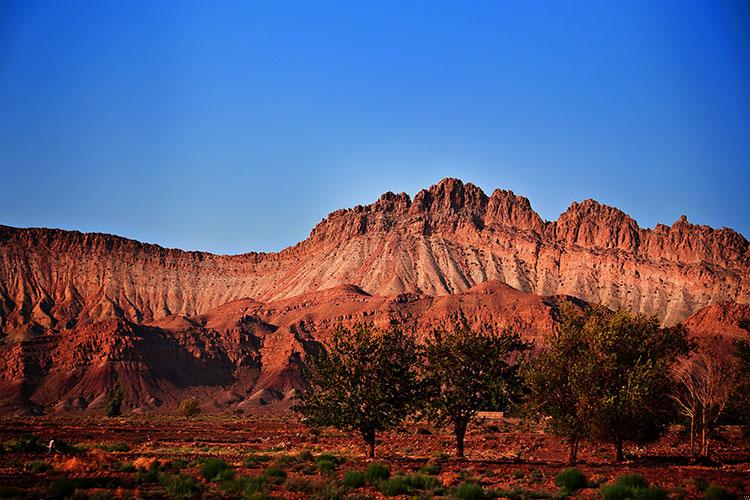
[[80, 311]]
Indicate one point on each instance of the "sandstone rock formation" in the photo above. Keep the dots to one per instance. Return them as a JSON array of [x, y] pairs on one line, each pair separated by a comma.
[[78, 311]]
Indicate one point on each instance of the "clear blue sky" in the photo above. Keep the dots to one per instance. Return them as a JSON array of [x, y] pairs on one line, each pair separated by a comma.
[[237, 126]]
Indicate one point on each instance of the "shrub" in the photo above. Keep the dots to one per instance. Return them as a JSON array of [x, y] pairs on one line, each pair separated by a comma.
[[714, 492], [632, 486], [431, 469], [305, 456], [275, 475], [377, 472], [256, 459], [354, 479], [299, 485], [329, 490], [700, 483], [148, 476], [397, 485], [61, 488], [248, 486], [326, 466], [422, 482], [215, 469], [125, 467], [470, 491], [39, 466], [570, 479], [112, 447], [181, 486], [26, 442], [633, 481]]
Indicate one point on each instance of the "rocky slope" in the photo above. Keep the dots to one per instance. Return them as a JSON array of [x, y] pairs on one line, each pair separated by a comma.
[[79, 310]]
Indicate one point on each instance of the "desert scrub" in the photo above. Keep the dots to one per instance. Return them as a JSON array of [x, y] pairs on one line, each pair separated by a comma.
[[61, 488], [327, 462], [181, 486], [246, 486], [470, 491], [26, 443], [299, 485], [632, 486], [113, 447], [216, 470], [305, 456], [330, 490], [124, 467], [353, 479], [397, 485], [430, 469], [38, 466], [570, 479], [256, 459], [714, 492], [275, 475], [376, 472]]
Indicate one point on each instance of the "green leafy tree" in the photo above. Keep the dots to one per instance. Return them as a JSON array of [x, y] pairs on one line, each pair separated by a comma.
[[627, 363], [556, 378], [467, 370], [365, 381], [114, 401]]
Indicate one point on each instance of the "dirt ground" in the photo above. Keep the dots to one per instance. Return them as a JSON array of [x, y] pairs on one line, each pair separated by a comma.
[[112, 457]]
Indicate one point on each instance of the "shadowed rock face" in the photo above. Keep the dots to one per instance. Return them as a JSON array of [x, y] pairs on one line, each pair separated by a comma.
[[85, 309]]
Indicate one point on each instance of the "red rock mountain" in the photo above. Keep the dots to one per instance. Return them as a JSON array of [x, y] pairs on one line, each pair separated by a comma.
[[78, 311]]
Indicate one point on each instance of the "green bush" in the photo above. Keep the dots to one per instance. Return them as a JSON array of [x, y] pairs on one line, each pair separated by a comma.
[[397, 485], [215, 469], [714, 492], [149, 476], [330, 490], [431, 469], [256, 459], [700, 483], [376, 472], [632, 481], [305, 456], [111, 447], [422, 482], [26, 442], [632, 486], [570, 479], [299, 485], [61, 488], [470, 491], [124, 467], [275, 475], [38, 466], [354, 479], [246, 486], [181, 486]]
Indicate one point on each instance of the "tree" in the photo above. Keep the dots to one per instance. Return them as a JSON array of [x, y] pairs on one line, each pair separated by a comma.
[[466, 370], [364, 382], [626, 364], [705, 383], [556, 378], [114, 401]]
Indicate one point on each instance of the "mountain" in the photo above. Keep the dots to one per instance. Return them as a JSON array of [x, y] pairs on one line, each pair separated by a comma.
[[78, 311]]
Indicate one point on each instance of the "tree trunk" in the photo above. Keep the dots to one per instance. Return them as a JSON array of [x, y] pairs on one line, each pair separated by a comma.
[[573, 457], [369, 437], [692, 435], [704, 435], [620, 456], [459, 429]]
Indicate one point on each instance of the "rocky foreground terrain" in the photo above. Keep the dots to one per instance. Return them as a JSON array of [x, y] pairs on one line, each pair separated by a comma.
[[81, 311]]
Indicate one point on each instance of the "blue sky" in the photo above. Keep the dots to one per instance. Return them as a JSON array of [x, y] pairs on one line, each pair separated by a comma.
[[237, 126]]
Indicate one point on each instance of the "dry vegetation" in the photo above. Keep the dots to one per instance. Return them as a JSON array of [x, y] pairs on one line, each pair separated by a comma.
[[234, 457]]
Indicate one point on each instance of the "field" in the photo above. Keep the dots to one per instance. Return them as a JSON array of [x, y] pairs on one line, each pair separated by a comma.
[[158, 456]]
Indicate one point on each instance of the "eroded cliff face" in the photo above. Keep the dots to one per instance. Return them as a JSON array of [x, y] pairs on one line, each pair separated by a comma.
[[81, 311], [449, 238]]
